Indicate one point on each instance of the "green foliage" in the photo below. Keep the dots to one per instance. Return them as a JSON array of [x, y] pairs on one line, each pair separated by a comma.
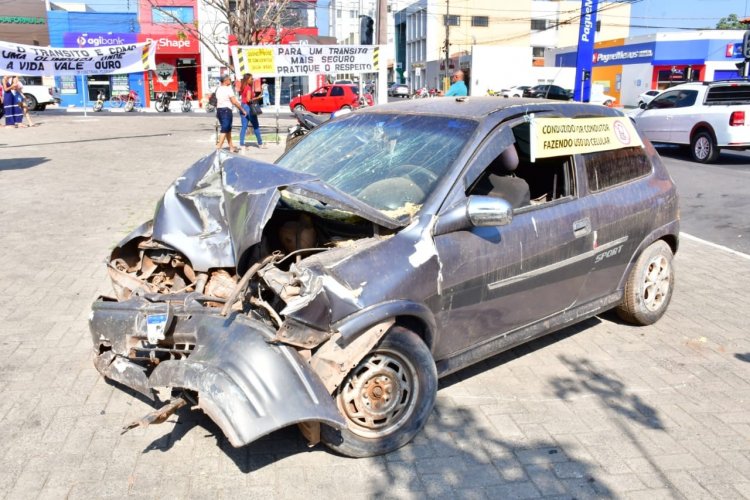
[[731, 22]]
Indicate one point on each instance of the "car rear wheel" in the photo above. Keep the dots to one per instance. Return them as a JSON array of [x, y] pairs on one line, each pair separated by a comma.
[[386, 399], [346, 106], [649, 286], [703, 148], [31, 102], [299, 108]]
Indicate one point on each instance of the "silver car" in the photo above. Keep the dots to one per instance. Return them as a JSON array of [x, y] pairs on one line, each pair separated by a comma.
[[391, 247], [399, 90]]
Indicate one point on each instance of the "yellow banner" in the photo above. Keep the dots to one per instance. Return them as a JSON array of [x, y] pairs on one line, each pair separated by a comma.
[[256, 60], [569, 136]]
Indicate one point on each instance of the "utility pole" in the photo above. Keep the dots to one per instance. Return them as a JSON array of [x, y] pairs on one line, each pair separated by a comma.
[[382, 23], [382, 41], [446, 79]]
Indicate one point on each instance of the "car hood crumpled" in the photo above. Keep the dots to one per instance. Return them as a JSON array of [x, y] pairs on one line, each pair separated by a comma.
[[217, 209]]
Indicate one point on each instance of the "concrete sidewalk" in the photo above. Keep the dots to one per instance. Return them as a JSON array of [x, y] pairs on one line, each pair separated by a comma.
[[596, 411]]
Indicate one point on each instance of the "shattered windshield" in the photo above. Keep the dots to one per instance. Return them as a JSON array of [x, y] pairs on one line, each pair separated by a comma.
[[391, 162]]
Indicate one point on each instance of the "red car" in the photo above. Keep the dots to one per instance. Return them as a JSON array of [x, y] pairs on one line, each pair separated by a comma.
[[329, 98]]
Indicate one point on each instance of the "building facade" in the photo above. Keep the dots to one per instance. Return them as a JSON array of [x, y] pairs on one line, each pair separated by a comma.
[[82, 28], [627, 67], [516, 36], [24, 21]]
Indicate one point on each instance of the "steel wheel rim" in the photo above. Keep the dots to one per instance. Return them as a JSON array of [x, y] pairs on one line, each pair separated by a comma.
[[702, 148], [656, 283], [380, 394]]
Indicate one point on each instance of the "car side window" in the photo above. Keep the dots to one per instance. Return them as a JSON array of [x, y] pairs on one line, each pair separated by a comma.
[[523, 183], [606, 169], [337, 91], [665, 100], [686, 98], [321, 92]]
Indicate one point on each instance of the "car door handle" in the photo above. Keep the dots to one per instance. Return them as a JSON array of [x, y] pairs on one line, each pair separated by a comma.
[[582, 227]]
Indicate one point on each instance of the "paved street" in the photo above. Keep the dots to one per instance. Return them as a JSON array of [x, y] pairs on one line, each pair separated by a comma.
[[600, 410]]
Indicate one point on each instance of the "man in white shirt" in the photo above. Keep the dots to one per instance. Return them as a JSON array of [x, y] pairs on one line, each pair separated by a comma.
[[225, 99]]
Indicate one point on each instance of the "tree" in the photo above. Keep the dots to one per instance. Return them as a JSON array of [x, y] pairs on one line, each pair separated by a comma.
[[246, 22], [731, 22]]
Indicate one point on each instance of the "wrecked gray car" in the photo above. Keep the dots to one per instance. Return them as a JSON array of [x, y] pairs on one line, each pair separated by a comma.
[[390, 247]]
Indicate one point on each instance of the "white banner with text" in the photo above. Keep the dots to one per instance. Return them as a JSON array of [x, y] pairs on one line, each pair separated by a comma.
[[297, 60], [32, 60]]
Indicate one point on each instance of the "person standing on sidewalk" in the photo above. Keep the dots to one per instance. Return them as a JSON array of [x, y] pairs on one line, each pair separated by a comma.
[[247, 97], [13, 112], [266, 94], [225, 99], [458, 87]]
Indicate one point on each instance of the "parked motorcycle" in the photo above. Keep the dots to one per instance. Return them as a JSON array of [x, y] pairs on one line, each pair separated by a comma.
[[305, 123], [99, 104], [162, 102], [187, 101]]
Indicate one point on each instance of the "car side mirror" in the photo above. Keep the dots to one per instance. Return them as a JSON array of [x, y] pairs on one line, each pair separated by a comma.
[[475, 211]]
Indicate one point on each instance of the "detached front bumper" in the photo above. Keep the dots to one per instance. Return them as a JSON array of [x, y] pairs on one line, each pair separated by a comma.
[[246, 384]]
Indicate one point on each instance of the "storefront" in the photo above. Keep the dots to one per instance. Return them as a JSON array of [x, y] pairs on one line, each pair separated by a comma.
[[75, 89], [624, 68], [178, 65], [24, 22]]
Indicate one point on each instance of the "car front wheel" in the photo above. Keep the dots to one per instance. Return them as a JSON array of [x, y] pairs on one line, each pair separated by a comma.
[[386, 399], [299, 108], [649, 286], [703, 148]]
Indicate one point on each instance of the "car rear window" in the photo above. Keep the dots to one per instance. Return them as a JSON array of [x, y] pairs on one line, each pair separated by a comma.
[[728, 94], [607, 169]]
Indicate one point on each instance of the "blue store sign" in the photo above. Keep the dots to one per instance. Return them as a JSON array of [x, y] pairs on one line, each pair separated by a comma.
[[626, 54], [81, 40]]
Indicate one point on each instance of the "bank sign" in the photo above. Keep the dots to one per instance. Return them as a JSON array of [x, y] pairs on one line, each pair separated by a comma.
[[612, 56], [81, 40], [297, 60]]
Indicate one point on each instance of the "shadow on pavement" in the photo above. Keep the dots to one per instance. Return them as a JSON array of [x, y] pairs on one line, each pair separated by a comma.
[[96, 139], [743, 357], [588, 379], [21, 163]]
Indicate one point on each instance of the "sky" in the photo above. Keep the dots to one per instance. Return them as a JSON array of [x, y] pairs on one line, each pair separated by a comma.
[[652, 15], [672, 15]]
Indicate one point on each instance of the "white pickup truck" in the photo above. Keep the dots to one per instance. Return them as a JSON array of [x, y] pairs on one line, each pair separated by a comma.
[[707, 116], [38, 96]]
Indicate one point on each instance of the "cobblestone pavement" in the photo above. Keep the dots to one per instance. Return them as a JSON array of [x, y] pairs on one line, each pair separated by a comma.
[[598, 410]]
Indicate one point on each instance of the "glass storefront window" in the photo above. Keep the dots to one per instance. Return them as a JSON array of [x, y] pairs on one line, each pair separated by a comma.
[[669, 77]]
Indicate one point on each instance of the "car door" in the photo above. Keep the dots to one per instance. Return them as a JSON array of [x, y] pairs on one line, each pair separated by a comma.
[[317, 100], [497, 280], [621, 189], [655, 122], [683, 118], [337, 98]]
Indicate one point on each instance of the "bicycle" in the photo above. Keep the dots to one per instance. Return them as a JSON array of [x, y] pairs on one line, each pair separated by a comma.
[[127, 100]]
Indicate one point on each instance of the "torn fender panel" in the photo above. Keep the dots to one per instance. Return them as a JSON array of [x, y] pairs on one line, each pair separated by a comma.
[[217, 209], [124, 372], [246, 385]]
